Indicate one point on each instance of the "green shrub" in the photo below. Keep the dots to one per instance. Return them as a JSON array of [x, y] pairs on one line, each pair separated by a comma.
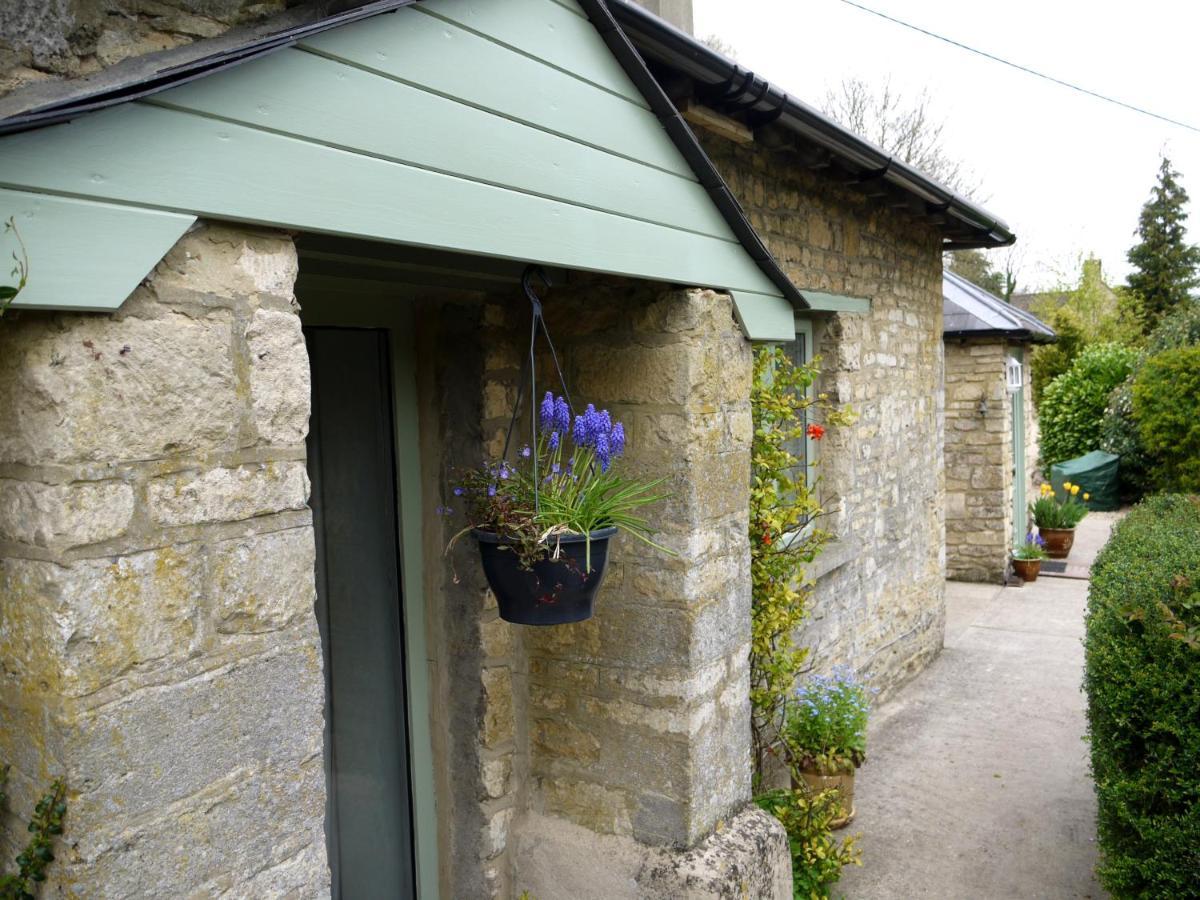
[[1166, 407], [817, 856], [1073, 406], [1143, 687], [1180, 329], [1051, 360]]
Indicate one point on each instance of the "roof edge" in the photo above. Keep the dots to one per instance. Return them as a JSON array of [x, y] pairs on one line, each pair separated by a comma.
[[759, 96], [681, 135]]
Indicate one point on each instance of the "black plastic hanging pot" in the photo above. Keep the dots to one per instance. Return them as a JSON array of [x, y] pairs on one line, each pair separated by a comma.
[[556, 589]]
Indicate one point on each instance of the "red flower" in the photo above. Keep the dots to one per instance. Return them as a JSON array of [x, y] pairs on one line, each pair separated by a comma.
[[816, 432], [767, 538]]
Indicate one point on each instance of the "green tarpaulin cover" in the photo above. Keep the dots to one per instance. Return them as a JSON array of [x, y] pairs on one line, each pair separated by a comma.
[[1096, 473]]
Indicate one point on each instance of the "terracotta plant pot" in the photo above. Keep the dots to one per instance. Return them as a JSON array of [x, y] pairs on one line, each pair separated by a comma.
[[842, 782], [1027, 568], [1058, 541]]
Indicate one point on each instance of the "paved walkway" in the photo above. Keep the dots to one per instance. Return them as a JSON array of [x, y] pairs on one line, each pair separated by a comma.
[[976, 784]]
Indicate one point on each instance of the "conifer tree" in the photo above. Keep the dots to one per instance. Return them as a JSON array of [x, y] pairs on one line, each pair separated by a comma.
[[1165, 265]]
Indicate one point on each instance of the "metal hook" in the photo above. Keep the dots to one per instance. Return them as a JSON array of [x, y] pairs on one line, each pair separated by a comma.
[[526, 277]]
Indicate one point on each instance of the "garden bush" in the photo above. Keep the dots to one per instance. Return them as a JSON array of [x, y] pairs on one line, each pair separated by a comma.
[[1119, 432], [1143, 687], [1072, 409], [1166, 407]]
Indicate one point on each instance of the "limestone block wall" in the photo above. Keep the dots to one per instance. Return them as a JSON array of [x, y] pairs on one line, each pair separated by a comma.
[[633, 725], [158, 644], [882, 611], [979, 461]]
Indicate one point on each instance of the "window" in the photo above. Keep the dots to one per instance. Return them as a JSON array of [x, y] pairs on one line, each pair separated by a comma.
[[800, 352]]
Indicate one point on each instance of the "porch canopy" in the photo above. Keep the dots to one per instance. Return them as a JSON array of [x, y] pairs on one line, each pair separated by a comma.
[[523, 130]]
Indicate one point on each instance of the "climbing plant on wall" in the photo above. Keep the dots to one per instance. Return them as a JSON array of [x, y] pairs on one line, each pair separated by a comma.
[[20, 270], [46, 823]]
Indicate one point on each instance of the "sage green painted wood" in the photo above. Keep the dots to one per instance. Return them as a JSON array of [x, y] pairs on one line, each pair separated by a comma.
[[823, 302], [85, 255], [376, 308], [306, 96], [764, 317], [429, 52], [559, 35], [147, 155], [1020, 476]]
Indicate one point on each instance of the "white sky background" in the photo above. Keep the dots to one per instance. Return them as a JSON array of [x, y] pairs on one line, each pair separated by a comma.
[[1069, 173]]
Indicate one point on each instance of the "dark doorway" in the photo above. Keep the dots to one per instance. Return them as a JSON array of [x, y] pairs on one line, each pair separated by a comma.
[[351, 461]]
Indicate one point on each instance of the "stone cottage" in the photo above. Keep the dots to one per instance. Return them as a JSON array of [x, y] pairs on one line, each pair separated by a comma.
[[991, 428], [275, 299]]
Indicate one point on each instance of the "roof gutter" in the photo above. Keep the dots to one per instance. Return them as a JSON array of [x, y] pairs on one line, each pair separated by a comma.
[[766, 103], [677, 129]]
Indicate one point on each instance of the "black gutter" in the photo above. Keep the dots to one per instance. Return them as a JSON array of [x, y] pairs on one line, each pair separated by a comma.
[[710, 179], [712, 71], [1024, 337], [65, 110]]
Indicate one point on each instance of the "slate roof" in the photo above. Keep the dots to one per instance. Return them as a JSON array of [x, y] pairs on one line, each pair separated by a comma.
[[970, 311]]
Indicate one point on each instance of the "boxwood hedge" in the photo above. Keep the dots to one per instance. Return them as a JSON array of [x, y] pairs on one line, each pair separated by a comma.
[[1143, 688]]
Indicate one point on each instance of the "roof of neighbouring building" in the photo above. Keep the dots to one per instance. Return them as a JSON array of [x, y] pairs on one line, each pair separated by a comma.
[[970, 311]]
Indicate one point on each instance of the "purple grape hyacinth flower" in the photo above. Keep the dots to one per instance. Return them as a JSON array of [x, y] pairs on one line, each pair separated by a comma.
[[617, 439], [553, 442], [562, 415], [546, 412]]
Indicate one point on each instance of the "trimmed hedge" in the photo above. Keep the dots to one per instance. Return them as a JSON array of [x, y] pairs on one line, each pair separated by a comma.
[[1166, 407], [1071, 413], [1143, 686]]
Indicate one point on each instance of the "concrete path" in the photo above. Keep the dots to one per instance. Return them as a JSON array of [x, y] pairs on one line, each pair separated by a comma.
[[977, 784]]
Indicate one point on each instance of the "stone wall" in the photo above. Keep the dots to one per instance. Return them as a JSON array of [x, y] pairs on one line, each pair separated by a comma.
[[634, 724], [882, 609], [157, 632], [43, 39], [979, 461]]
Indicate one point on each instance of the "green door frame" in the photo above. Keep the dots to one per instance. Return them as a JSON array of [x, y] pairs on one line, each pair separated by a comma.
[[378, 310], [1020, 476]]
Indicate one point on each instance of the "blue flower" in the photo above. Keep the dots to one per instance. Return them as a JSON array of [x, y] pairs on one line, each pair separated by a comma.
[[617, 439], [553, 440], [491, 490], [555, 468], [458, 492], [562, 415], [603, 452], [525, 451], [546, 412]]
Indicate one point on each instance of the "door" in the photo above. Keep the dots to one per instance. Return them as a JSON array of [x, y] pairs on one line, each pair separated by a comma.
[[351, 461], [1020, 476]]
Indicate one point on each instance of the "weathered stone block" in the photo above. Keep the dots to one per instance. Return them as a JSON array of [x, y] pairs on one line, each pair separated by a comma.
[[279, 377], [100, 389], [61, 516], [228, 495], [497, 726], [262, 583]]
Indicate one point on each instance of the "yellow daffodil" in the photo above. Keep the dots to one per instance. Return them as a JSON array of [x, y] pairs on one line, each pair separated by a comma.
[[1087, 497], [1067, 485], [1074, 489]]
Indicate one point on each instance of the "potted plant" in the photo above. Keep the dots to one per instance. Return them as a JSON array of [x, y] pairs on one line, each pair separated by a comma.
[[543, 523], [1027, 559], [825, 734], [1056, 520]]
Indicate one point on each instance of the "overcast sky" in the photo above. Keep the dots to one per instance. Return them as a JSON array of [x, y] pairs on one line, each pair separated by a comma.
[[1067, 172]]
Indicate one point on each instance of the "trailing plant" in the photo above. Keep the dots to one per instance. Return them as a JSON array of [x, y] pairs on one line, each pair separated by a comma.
[[1033, 547], [826, 725], [1051, 512], [784, 534], [566, 483], [46, 824], [1142, 678], [1073, 405], [20, 269], [817, 856], [1166, 407]]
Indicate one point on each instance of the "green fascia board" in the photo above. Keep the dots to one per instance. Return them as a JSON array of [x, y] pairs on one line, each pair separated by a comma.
[[85, 255], [822, 302], [764, 317]]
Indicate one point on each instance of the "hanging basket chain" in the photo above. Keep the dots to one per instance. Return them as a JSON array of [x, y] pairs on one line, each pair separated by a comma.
[[529, 365]]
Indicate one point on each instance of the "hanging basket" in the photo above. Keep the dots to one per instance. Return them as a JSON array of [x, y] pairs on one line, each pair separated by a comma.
[[557, 589]]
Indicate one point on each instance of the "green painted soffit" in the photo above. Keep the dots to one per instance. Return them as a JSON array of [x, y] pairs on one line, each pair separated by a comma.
[[501, 129], [823, 302]]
